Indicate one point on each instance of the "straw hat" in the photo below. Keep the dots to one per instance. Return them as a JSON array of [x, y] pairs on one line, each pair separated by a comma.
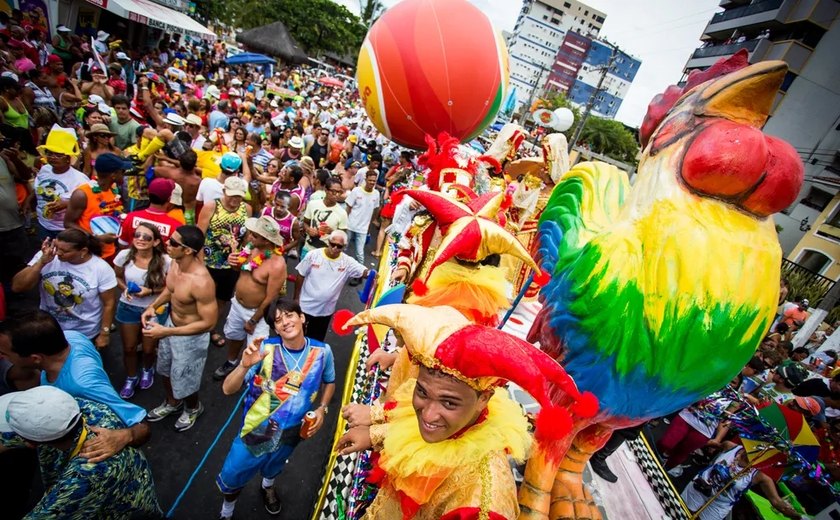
[[265, 227]]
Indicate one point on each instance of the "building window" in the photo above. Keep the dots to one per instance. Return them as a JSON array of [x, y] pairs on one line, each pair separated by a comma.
[[545, 17], [567, 5], [817, 199], [813, 260]]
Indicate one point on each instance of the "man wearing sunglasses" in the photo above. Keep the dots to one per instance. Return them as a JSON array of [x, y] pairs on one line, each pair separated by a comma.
[[182, 352], [322, 275]]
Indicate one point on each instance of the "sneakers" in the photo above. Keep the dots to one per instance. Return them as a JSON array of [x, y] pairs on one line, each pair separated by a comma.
[[223, 371], [188, 417], [163, 410], [599, 466], [127, 391], [272, 503], [147, 378]]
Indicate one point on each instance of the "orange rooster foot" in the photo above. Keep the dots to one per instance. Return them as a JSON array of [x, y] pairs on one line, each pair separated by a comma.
[[570, 500]]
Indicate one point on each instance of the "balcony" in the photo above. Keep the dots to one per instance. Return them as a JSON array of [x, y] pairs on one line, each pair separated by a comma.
[[756, 15], [792, 52], [707, 56]]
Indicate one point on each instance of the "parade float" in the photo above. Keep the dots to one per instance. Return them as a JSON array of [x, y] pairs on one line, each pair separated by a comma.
[[627, 288]]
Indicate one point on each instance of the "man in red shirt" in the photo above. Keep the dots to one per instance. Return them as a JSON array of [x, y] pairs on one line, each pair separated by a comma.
[[797, 316], [159, 192]]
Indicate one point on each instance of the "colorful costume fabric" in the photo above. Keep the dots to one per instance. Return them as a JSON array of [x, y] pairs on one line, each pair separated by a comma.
[[463, 477], [280, 391], [118, 487]]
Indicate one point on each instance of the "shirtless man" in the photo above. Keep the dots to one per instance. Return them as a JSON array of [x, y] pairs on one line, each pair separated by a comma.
[[184, 339], [260, 282], [186, 175]]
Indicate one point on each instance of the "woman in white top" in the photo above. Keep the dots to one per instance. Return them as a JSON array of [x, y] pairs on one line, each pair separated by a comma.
[[76, 285], [141, 275]]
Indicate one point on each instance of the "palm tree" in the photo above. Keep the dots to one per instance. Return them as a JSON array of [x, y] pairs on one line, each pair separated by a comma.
[[370, 11]]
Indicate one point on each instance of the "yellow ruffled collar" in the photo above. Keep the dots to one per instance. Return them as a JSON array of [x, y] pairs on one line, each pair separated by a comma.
[[417, 467]]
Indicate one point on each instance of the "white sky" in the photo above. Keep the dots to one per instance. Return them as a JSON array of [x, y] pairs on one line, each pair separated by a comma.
[[661, 33]]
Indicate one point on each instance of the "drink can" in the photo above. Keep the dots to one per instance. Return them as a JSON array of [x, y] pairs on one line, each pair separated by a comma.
[[308, 421], [153, 319]]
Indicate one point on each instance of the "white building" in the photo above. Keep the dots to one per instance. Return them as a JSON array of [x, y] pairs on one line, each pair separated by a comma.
[[537, 37]]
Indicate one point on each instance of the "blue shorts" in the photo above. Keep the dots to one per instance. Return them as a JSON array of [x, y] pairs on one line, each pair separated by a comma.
[[241, 466], [128, 314]]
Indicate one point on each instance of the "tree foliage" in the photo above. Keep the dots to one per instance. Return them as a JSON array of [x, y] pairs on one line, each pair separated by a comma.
[[317, 25], [371, 11], [609, 137]]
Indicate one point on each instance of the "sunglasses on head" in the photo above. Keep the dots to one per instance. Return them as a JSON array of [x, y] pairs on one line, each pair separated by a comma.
[[337, 246], [143, 236]]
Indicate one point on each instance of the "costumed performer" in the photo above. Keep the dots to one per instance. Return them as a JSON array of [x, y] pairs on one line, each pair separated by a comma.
[[443, 439]]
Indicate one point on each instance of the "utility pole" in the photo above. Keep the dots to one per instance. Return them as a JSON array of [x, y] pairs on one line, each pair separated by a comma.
[[588, 109]]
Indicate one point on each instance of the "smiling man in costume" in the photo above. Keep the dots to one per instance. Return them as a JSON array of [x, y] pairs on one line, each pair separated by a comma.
[[444, 438]]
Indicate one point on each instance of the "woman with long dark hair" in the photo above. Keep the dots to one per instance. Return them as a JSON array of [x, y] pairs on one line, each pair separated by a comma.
[[141, 276]]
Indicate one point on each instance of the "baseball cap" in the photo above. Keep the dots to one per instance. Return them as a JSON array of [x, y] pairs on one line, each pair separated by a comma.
[[110, 163], [161, 188], [41, 414], [793, 374], [355, 164], [122, 56], [95, 69], [231, 162], [63, 28], [54, 58], [102, 36], [265, 227], [809, 404], [805, 301], [95, 99], [235, 187]]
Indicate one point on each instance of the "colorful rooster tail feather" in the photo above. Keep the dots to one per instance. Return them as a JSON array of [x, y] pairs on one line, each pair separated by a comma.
[[585, 201]]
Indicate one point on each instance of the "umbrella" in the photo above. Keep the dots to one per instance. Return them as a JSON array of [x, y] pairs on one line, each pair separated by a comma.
[[249, 57], [788, 436], [331, 82]]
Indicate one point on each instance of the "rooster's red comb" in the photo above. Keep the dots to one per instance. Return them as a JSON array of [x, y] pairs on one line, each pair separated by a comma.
[[662, 103]]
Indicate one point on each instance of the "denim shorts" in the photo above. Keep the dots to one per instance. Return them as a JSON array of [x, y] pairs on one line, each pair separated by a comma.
[[128, 314]]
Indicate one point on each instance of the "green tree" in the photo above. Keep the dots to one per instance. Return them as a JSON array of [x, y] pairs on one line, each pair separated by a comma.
[[609, 137], [371, 11]]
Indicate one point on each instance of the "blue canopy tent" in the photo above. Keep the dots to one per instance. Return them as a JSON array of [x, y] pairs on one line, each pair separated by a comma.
[[249, 57]]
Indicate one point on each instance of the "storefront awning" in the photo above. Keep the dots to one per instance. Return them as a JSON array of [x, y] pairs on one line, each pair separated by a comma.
[[155, 15]]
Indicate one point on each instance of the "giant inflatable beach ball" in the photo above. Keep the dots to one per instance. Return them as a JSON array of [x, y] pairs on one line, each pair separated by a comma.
[[428, 66]]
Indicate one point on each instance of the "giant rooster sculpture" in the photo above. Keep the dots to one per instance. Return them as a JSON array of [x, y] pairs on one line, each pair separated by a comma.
[[661, 292]]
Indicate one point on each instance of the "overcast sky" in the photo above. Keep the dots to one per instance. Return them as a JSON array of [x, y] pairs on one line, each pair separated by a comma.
[[661, 33]]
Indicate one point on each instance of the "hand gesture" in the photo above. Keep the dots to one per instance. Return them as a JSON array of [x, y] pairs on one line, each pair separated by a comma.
[[356, 439], [47, 251], [385, 359], [356, 415], [153, 330], [104, 445], [399, 274], [252, 355], [103, 339], [233, 259]]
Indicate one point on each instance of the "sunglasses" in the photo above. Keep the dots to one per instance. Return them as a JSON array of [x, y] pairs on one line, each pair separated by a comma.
[[175, 243], [143, 236], [336, 246]]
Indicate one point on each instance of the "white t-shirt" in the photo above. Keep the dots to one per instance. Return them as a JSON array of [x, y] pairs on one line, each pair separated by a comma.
[[361, 204], [317, 212], [209, 190], [70, 292], [138, 276], [50, 187], [324, 280]]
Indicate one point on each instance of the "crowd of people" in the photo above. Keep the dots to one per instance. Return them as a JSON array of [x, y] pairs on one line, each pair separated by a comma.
[[171, 194], [182, 204]]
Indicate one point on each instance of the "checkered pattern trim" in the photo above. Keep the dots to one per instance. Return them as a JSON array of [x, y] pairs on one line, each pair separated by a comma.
[[338, 481], [671, 502]]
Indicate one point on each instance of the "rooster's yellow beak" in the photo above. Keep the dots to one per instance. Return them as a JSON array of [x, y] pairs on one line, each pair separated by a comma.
[[745, 96]]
